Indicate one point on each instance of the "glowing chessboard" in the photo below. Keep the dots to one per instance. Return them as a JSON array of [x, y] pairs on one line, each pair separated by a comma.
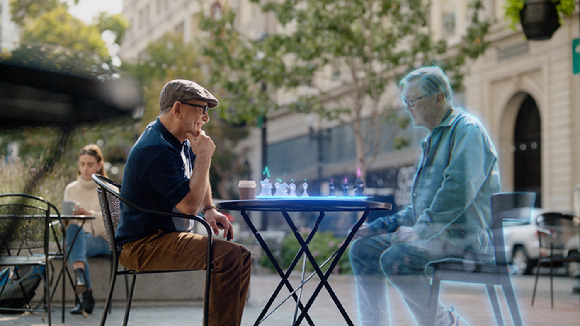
[[314, 197]]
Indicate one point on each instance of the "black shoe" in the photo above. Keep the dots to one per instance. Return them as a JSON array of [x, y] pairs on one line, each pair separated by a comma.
[[89, 301], [86, 304], [77, 310], [80, 281]]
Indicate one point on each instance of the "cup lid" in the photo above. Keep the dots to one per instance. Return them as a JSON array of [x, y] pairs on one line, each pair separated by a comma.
[[247, 183]]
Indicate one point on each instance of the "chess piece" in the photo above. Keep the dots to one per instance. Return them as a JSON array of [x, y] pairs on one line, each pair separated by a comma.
[[292, 187], [345, 188], [305, 187], [284, 189], [331, 188], [266, 188], [278, 186], [360, 188]]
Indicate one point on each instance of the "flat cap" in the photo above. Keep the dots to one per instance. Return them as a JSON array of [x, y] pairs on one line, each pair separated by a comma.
[[181, 89]]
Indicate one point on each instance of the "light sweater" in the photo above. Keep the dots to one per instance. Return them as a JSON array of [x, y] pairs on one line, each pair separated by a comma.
[[85, 193]]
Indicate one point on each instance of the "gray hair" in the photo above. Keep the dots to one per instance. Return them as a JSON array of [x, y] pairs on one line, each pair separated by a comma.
[[432, 80]]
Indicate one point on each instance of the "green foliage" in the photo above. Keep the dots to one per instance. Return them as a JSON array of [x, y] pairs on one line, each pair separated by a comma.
[[23, 11], [512, 9], [53, 39], [322, 246], [115, 24], [367, 44], [58, 27]]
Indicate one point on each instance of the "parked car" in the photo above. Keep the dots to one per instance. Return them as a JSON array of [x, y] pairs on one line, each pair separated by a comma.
[[573, 249], [521, 241], [522, 245]]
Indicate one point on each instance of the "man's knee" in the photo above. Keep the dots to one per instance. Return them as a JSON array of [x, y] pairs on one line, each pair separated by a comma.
[[229, 254], [396, 260]]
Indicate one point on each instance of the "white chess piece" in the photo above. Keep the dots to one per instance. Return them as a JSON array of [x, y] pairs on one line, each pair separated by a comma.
[[284, 189], [292, 187], [279, 189], [266, 188], [305, 187]]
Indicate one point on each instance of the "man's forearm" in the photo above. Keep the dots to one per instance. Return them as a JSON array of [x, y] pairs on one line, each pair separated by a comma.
[[207, 199]]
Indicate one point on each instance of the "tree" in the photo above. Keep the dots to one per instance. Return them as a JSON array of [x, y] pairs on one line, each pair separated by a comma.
[[367, 44], [54, 38], [170, 58]]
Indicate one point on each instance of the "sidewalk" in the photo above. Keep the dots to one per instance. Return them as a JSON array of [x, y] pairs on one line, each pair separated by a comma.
[[470, 301]]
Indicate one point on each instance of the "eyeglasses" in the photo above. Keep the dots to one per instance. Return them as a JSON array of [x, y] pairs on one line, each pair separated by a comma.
[[410, 102], [204, 107]]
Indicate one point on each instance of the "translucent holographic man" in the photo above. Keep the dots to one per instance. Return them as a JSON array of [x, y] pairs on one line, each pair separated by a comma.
[[449, 215]]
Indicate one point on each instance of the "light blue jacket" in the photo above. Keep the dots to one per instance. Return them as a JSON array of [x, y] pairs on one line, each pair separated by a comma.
[[455, 179]]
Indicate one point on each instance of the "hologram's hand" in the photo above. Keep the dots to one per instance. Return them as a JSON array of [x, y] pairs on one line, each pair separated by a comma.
[[404, 234], [365, 231]]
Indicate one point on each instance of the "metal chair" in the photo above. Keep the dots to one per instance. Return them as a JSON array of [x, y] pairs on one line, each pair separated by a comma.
[[110, 200], [504, 206], [555, 229], [24, 241]]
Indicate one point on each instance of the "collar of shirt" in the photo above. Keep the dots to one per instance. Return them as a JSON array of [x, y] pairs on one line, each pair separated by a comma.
[[168, 136]]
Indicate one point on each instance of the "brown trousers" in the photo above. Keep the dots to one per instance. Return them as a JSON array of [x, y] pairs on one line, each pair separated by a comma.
[[180, 250]]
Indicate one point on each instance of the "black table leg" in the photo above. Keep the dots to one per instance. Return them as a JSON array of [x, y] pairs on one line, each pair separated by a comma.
[[283, 276], [324, 278]]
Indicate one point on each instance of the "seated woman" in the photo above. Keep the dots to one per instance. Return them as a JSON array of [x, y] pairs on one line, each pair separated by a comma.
[[91, 239]]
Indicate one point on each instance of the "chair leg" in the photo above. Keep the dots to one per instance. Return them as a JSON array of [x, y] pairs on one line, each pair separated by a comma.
[[536, 282], [552, 283], [109, 297], [492, 294], [129, 299], [434, 297], [510, 296]]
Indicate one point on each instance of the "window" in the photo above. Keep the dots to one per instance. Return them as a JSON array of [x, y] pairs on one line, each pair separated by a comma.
[[448, 18]]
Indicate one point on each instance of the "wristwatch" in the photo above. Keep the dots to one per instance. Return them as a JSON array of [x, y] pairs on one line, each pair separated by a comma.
[[207, 208]]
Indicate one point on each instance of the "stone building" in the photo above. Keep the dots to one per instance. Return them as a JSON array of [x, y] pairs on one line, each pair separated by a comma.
[[524, 92]]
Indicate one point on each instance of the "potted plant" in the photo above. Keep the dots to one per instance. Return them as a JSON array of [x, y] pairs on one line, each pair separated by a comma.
[[539, 18]]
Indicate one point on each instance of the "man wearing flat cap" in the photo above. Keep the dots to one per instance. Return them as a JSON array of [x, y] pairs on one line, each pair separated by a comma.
[[167, 169]]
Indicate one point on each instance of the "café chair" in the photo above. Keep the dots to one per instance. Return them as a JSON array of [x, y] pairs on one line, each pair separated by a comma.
[[110, 199], [24, 241], [555, 229], [504, 206]]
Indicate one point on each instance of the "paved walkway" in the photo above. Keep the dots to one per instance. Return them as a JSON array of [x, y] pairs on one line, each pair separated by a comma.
[[470, 301]]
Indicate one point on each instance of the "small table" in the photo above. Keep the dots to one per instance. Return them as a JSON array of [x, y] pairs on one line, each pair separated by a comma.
[[308, 204]]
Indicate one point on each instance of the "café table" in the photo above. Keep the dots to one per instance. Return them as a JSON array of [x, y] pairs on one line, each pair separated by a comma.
[[321, 205], [62, 252]]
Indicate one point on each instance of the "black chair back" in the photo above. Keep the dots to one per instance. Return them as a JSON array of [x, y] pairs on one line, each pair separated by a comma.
[[110, 200], [24, 238]]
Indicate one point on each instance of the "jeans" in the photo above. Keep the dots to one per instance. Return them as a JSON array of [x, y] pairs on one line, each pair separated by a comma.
[[85, 245], [376, 259]]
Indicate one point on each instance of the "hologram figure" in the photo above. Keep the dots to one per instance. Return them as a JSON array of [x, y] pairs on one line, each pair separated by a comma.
[[449, 215]]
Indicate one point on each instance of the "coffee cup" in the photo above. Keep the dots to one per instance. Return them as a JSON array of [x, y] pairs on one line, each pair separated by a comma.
[[247, 189], [68, 207]]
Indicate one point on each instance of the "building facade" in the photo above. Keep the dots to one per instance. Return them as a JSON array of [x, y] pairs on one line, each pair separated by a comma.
[[523, 91]]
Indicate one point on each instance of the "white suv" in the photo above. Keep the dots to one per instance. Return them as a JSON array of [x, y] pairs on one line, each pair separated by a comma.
[[522, 247], [521, 242]]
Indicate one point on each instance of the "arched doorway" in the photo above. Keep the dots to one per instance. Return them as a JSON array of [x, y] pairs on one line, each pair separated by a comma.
[[527, 149]]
